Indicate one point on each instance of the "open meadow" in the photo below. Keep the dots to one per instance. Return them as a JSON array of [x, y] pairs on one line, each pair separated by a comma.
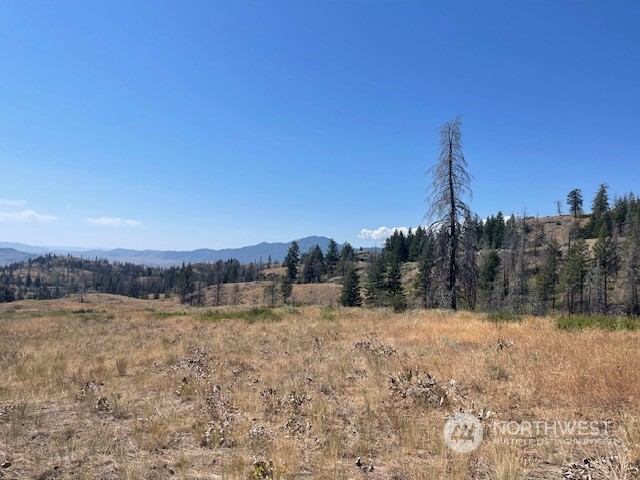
[[114, 387]]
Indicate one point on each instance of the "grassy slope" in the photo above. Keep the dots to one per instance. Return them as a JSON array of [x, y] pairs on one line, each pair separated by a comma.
[[123, 388]]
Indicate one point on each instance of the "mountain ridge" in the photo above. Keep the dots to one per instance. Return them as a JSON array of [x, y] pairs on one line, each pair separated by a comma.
[[12, 252]]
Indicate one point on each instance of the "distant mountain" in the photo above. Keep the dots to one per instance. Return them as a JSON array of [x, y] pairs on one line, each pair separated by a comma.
[[11, 255], [12, 252]]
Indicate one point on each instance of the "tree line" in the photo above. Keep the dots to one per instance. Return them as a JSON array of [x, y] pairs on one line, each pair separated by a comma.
[[510, 264], [589, 265], [51, 276]]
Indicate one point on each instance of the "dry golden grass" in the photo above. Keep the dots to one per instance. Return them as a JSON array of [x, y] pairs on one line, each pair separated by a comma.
[[120, 388]]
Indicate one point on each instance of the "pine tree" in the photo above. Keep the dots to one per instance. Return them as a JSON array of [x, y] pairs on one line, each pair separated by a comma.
[[574, 201], [375, 285], [396, 246], [313, 265], [546, 281], [423, 283], [350, 296], [489, 277], [186, 283], [291, 261], [471, 230], [393, 287], [600, 204], [347, 258], [332, 258], [606, 261], [417, 244], [574, 274]]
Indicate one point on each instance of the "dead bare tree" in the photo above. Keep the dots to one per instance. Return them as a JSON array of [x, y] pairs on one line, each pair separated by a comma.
[[447, 207]]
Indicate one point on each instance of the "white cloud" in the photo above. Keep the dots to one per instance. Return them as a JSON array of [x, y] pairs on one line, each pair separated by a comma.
[[25, 216], [13, 203], [381, 233], [113, 222]]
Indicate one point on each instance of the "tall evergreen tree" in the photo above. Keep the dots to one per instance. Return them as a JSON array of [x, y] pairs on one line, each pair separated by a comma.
[[332, 258], [350, 295], [600, 213], [574, 201], [489, 277], [417, 244], [606, 261], [291, 261], [375, 285], [574, 274], [347, 258], [393, 287], [186, 282], [396, 246], [313, 265], [286, 288], [423, 283], [546, 280], [469, 247]]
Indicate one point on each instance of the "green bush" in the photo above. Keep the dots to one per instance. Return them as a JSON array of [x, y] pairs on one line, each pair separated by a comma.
[[578, 322], [504, 316], [252, 315]]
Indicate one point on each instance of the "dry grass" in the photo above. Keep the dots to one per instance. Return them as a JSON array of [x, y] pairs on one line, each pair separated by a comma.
[[122, 388]]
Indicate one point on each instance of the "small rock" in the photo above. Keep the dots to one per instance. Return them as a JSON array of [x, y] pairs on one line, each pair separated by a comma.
[[5, 464]]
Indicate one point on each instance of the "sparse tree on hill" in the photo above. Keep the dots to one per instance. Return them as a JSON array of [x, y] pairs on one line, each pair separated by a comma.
[[450, 185], [558, 207], [574, 201], [291, 261], [600, 213], [600, 204]]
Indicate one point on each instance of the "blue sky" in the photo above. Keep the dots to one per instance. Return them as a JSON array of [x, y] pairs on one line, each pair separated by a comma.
[[212, 124]]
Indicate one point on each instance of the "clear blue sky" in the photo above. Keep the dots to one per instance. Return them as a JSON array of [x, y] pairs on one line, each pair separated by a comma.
[[211, 124]]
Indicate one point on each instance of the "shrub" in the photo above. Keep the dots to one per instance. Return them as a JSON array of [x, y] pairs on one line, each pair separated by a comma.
[[252, 315], [578, 322], [504, 316]]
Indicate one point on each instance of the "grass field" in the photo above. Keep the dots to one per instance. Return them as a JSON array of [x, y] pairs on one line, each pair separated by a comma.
[[116, 388]]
